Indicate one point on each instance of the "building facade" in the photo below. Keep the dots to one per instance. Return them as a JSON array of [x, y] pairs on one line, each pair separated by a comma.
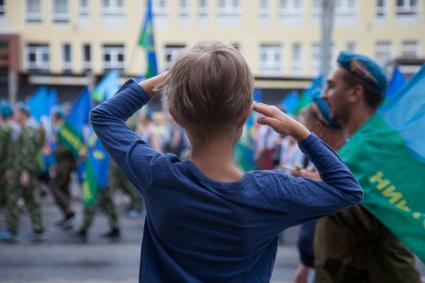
[[61, 41]]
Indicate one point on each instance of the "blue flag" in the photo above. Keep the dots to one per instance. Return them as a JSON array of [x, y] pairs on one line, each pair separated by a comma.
[[397, 81], [290, 102], [39, 103], [107, 86], [258, 95], [99, 160], [146, 41]]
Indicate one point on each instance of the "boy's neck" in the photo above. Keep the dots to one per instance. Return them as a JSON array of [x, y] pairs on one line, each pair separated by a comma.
[[215, 160]]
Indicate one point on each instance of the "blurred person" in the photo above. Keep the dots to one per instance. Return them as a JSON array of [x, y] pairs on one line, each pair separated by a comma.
[[265, 145], [146, 130], [117, 179], [104, 199], [21, 175], [177, 142], [207, 221], [6, 114], [353, 245], [61, 171], [317, 120]]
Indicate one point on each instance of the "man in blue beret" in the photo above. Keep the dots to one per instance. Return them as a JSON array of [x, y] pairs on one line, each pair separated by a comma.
[[352, 245]]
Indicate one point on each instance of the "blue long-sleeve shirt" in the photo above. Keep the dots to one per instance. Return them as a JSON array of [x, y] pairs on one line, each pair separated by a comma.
[[200, 230]]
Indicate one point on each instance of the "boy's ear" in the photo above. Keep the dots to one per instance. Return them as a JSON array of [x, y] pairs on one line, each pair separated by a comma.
[[245, 116]]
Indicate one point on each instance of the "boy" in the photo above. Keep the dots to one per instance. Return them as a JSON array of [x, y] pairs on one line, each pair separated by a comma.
[[206, 221]]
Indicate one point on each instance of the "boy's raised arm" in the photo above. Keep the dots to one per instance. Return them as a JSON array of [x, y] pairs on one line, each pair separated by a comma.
[[339, 188], [125, 146]]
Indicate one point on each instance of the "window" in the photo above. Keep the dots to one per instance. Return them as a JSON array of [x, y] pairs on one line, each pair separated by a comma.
[[345, 9], [66, 57], [159, 8], [381, 8], [316, 8], [271, 59], [351, 46], [290, 11], [296, 58], [86, 57], [383, 52], [33, 11], [315, 57], [410, 49], [170, 52], [2, 10], [202, 10], [113, 56], [229, 11], [84, 9], [112, 10], [264, 11], [407, 7], [184, 10], [60, 11], [37, 56]]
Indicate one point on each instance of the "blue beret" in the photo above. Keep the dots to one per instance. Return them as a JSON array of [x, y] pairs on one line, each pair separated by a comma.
[[324, 111], [58, 111], [6, 109], [364, 68]]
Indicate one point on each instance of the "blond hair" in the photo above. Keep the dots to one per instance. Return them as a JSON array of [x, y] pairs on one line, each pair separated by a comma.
[[209, 89]]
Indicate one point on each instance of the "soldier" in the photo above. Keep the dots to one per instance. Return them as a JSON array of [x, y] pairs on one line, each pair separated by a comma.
[[61, 174], [104, 197], [5, 138], [117, 179], [22, 176]]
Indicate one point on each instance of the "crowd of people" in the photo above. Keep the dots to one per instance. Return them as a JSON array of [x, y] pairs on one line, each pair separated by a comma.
[[347, 246], [35, 162]]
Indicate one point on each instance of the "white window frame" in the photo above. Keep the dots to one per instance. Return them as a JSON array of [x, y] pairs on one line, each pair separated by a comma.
[[271, 67], [229, 13], [202, 11], [316, 54], [407, 9], [113, 12], [184, 11], [2, 10], [383, 47], [62, 17], [170, 52], [84, 11], [160, 9], [381, 11], [296, 61], [291, 13], [33, 17], [344, 12], [412, 47], [114, 50], [39, 50], [264, 11], [66, 65], [87, 65]]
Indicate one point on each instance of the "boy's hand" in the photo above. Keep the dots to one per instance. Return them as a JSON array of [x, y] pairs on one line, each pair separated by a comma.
[[149, 85], [280, 122]]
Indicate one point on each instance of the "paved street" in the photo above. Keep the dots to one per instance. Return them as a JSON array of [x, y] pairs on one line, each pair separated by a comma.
[[62, 259]]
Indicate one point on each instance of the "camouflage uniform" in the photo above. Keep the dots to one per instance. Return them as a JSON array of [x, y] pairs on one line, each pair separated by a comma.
[[117, 179], [23, 157], [65, 165], [5, 138], [104, 200]]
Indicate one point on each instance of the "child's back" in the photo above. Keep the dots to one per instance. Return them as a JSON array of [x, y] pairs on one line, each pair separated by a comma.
[[198, 229]]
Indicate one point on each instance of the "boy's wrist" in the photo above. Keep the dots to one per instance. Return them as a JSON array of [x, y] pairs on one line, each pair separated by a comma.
[[149, 85], [300, 133]]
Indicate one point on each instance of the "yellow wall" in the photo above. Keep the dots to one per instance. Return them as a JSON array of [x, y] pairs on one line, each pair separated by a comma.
[[365, 32]]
